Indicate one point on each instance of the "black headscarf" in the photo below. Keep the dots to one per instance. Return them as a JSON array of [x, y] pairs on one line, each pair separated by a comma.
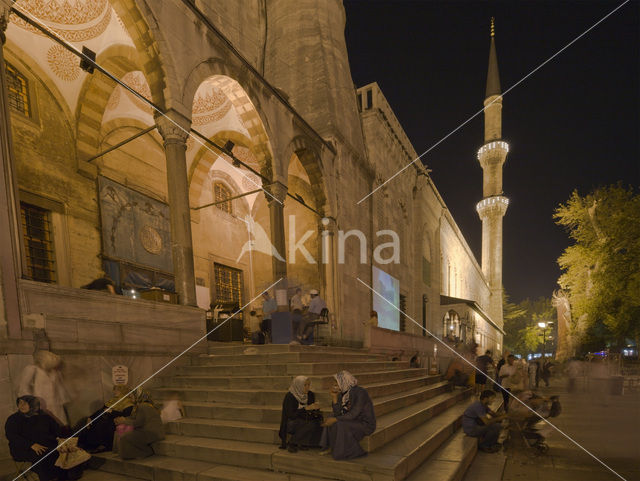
[[34, 405]]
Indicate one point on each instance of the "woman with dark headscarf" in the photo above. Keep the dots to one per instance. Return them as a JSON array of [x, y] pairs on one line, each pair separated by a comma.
[[147, 428], [298, 417], [353, 418], [32, 434], [98, 435]]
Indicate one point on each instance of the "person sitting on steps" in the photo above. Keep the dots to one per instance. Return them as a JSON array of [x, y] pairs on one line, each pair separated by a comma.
[[353, 418], [300, 417], [316, 306], [479, 421]]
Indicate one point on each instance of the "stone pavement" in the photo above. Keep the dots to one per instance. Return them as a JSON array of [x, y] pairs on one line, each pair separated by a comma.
[[606, 425]]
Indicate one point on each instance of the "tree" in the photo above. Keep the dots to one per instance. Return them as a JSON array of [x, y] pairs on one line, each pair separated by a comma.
[[601, 269], [521, 323]]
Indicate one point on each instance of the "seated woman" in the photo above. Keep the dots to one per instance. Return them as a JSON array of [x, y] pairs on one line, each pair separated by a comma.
[[297, 418], [98, 435], [32, 434], [353, 418], [147, 428]]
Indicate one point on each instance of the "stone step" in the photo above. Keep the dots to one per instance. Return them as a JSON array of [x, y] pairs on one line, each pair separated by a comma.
[[291, 369], [450, 462], [163, 468], [231, 348], [400, 421], [270, 413], [268, 432], [283, 382], [394, 462], [271, 396], [283, 357]]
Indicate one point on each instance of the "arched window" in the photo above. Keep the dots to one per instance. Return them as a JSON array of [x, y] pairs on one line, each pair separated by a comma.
[[222, 192], [17, 90], [451, 326]]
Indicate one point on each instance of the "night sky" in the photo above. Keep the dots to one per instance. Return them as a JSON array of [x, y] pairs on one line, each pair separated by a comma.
[[571, 125]]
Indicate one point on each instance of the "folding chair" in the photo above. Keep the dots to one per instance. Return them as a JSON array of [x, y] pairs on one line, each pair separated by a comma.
[[323, 320]]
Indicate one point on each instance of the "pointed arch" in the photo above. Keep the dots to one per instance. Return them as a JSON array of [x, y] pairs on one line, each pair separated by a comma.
[[245, 96]]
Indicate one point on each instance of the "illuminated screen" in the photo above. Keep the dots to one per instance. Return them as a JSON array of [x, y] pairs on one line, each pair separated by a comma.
[[389, 288]]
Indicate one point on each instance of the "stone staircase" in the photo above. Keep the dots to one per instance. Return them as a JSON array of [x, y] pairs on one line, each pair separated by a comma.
[[233, 405]]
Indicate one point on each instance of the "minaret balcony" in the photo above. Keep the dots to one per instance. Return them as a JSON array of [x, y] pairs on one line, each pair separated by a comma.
[[500, 145], [495, 204]]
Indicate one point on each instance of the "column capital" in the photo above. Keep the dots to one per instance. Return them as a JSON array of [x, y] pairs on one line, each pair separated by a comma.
[[173, 127], [328, 224], [278, 192]]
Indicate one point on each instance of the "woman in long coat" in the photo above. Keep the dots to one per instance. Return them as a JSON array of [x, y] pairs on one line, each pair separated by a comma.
[[98, 435], [32, 434], [147, 428], [353, 418], [297, 420]]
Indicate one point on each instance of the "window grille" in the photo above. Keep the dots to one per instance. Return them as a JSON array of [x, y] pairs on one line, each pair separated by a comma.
[[17, 90], [228, 283], [221, 192], [38, 243]]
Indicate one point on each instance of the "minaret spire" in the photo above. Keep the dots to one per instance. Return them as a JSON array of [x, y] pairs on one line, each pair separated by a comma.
[[493, 206], [493, 75]]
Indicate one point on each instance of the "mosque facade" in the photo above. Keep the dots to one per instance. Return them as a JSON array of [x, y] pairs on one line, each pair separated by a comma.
[[210, 153]]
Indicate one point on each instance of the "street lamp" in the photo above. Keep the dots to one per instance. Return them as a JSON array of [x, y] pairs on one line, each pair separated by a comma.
[[543, 326]]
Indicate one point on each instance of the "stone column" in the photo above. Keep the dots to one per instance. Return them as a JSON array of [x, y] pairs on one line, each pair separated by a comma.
[[10, 263], [174, 131], [278, 193], [328, 255], [327, 246]]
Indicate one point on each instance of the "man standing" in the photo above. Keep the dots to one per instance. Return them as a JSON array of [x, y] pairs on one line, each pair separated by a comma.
[[508, 379], [533, 374], [269, 306], [482, 363], [479, 421]]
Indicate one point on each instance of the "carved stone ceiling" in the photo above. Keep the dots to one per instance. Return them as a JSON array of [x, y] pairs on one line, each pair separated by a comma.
[[90, 23]]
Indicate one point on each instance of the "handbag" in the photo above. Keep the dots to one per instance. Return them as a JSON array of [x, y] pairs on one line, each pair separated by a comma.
[[314, 415], [122, 429], [71, 455]]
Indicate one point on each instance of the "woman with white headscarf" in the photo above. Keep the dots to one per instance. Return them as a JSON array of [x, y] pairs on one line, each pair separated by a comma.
[[300, 417], [353, 418]]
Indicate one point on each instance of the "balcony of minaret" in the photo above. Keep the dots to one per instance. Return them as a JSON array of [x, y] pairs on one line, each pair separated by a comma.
[[492, 156], [496, 204]]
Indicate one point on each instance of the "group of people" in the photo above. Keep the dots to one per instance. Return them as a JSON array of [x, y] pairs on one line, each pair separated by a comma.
[[305, 312], [126, 424], [302, 425], [511, 377]]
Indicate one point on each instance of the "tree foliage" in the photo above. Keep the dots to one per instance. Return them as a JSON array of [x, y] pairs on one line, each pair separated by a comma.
[[601, 269], [521, 323]]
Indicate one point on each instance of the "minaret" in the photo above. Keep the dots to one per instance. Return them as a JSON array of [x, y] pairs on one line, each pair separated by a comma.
[[493, 206]]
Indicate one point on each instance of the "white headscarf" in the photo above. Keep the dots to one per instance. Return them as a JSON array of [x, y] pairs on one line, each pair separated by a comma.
[[297, 389], [345, 382]]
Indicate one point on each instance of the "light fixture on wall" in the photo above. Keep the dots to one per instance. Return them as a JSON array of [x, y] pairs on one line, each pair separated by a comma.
[[88, 59], [228, 147]]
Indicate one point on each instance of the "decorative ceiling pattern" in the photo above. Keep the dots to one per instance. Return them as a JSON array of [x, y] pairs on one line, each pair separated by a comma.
[[123, 104], [210, 104], [74, 20], [90, 23], [63, 63]]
